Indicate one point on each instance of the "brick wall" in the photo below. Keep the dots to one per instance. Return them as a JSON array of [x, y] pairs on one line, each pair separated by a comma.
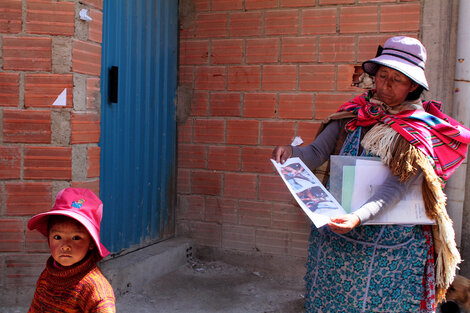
[[44, 49], [262, 72]]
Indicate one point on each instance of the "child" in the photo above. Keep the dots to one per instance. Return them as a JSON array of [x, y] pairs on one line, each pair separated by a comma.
[[71, 281]]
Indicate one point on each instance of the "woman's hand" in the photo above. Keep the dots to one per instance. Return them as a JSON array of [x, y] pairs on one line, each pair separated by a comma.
[[282, 153], [344, 223]]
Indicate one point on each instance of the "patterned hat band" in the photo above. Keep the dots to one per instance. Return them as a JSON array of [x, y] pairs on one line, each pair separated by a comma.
[[413, 59]]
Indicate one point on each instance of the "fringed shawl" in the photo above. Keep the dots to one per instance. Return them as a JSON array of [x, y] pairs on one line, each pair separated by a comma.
[[417, 139]]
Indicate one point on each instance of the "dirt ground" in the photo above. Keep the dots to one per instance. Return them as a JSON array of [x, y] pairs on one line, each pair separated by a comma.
[[215, 287]]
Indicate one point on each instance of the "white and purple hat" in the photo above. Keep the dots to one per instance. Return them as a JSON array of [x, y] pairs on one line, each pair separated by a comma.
[[404, 54]]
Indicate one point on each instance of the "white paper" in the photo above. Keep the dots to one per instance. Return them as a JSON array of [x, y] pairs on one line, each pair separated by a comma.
[[61, 99], [297, 142], [308, 191], [410, 210]]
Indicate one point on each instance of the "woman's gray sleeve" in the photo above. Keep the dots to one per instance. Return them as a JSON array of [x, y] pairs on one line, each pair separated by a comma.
[[316, 153], [387, 194]]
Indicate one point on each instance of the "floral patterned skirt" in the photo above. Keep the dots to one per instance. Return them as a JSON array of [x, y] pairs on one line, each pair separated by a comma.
[[371, 269]]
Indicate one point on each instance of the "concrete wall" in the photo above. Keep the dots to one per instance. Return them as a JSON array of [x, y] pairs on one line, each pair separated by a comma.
[[44, 49]]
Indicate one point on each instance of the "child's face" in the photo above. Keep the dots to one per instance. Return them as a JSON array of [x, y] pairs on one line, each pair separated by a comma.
[[69, 242]]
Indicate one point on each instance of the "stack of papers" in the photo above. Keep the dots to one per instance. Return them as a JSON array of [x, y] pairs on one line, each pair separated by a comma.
[[353, 180]]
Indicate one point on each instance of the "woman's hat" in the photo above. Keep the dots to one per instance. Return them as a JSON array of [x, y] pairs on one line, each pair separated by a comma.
[[404, 54], [82, 205]]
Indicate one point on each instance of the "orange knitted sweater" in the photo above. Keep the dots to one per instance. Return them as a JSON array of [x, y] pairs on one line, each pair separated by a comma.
[[81, 288]]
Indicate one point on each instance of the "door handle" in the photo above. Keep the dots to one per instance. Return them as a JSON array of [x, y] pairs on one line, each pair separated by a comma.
[[113, 84]]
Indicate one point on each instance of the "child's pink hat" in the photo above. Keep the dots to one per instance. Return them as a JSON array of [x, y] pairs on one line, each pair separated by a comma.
[[82, 205]]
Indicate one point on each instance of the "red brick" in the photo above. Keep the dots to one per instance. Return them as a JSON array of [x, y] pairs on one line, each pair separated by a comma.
[[22, 270], [192, 156], [332, 2], [289, 217], [93, 168], [183, 181], [48, 163], [362, 19], [26, 126], [255, 159], [9, 89], [223, 158], [51, 18], [299, 243], [85, 128], [227, 5], [27, 53], [193, 52], [211, 25], [345, 78], [227, 51], [400, 17], [86, 58], [307, 131], [262, 50], [10, 16], [319, 21], [279, 77], [186, 75], [367, 46], [242, 132], [185, 131], [93, 185], [206, 183], [241, 238], [318, 77], [259, 105], [199, 103], [285, 22], [240, 186], [298, 49], [36, 242], [277, 133], [254, 213], [272, 188], [205, 234], [246, 24], [93, 95], [221, 210], [272, 241], [296, 106], [95, 27], [208, 131], [191, 207], [260, 4], [327, 104], [244, 78], [10, 162], [225, 104], [210, 78], [95, 3], [41, 90], [297, 3], [11, 235], [27, 198], [336, 49]]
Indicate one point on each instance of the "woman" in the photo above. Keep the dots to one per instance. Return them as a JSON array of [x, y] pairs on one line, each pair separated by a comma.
[[386, 268]]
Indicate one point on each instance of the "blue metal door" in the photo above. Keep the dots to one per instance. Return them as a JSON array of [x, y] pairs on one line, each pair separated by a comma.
[[138, 126]]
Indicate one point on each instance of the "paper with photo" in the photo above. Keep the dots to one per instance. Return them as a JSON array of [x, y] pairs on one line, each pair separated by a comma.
[[308, 191]]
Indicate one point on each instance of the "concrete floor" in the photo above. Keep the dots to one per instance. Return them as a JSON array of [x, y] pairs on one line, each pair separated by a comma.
[[215, 287]]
